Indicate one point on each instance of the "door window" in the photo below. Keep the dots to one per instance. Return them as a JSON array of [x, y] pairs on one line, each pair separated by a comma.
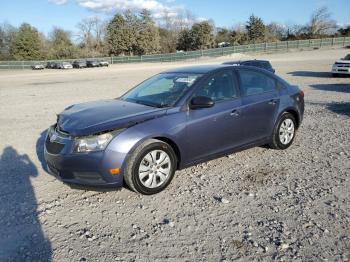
[[253, 82], [220, 86]]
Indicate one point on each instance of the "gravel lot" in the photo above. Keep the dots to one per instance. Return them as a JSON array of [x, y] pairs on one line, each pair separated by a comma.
[[259, 204]]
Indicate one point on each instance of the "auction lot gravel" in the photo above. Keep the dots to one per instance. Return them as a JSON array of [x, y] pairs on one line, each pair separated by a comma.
[[258, 204]]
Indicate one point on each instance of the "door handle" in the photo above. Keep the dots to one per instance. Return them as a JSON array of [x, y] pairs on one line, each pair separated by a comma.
[[234, 113], [273, 102]]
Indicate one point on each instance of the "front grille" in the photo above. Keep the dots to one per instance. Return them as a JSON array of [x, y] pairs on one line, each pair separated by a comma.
[[89, 177], [53, 147], [60, 173], [342, 65]]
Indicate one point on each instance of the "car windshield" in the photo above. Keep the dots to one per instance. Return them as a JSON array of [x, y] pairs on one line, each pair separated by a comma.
[[162, 90], [347, 57]]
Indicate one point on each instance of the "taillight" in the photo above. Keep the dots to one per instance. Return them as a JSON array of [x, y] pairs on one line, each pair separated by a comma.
[[301, 93]]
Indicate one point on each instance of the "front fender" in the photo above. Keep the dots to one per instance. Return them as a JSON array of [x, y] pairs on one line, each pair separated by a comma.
[[170, 127]]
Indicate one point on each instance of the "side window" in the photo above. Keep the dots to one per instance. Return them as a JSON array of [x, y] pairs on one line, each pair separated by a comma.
[[253, 82], [220, 86]]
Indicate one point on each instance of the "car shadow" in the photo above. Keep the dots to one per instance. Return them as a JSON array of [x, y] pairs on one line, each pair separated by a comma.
[[340, 108], [345, 88], [22, 237], [311, 74]]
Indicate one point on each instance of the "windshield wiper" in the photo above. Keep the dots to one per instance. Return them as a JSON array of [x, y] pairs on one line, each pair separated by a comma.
[[146, 103]]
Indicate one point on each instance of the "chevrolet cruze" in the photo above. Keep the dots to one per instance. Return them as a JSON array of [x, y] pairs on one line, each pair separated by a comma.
[[173, 120]]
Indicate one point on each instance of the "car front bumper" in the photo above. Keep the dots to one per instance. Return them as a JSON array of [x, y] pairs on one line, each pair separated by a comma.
[[341, 70], [90, 169]]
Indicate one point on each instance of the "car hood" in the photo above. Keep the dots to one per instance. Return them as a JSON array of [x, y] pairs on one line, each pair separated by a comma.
[[343, 61], [94, 117]]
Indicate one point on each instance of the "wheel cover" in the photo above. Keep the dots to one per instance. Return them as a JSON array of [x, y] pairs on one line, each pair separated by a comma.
[[286, 131], [154, 168]]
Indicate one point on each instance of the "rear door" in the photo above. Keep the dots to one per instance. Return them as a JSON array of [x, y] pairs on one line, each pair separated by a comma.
[[260, 102]]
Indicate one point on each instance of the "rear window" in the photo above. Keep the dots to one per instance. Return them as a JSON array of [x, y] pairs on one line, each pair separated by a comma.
[[260, 64], [253, 82], [266, 65]]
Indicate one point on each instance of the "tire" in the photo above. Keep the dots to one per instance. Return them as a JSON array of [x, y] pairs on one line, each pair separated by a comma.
[[147, 176], [283, 138]]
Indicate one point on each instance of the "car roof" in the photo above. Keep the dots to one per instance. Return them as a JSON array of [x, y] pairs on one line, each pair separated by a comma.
[[201, 69]]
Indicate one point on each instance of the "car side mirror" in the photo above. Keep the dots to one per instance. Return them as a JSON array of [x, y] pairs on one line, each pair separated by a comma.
[[201, 102]]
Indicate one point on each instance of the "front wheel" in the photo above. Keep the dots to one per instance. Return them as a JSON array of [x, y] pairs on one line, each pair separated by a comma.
[[151, 167], [284, 132]]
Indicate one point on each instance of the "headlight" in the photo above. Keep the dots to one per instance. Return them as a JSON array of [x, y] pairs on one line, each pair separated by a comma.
[[93, 143]]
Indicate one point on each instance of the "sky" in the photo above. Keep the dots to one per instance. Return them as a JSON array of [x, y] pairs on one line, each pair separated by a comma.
[[45, 14]]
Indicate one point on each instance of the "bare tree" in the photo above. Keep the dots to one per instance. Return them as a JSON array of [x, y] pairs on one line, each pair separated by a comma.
[[277, 31], [168, 33], [321, 22], [7, 34], [91, 33], [184, 20]]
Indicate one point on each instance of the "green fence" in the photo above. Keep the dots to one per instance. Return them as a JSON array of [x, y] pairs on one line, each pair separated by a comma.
[[215, 52]]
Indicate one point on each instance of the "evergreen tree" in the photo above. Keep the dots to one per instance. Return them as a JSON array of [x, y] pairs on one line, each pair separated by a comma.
[[256, 29], [344, 31], [147, 35], [115, 35], [203, 35], [185, 40], [26, 45], [121, 34], [130, 32]]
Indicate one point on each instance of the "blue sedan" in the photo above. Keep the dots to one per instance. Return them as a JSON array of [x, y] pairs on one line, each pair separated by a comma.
[[171, 121]]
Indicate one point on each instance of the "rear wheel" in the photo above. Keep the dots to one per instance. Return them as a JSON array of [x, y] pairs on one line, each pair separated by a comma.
[[284, 132], [151, 167]]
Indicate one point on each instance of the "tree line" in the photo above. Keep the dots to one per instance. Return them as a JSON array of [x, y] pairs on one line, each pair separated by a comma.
[[137, 33]]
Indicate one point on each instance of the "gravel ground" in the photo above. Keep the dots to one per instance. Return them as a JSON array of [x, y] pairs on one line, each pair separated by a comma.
[[258, 204]]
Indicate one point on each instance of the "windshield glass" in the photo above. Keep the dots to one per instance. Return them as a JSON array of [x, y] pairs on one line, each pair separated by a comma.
[[162, 90], [347, 57]]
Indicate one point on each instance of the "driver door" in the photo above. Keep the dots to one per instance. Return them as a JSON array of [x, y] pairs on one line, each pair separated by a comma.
[[213, 130]]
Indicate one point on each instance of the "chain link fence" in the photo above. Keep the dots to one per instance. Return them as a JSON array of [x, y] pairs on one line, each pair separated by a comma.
[[215, 52]]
